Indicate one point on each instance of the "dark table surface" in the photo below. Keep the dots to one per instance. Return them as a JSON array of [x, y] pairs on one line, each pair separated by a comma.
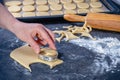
[[79, 62]]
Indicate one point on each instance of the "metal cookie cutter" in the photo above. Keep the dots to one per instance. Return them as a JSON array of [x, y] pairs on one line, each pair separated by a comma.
[[48, 54]]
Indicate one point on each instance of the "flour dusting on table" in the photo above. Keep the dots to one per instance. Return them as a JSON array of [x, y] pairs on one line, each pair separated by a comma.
[[107, 49]]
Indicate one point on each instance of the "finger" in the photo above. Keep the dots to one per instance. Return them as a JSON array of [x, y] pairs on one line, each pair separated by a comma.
[[51, 34], [33, 44], [47, 38], [41, 40]]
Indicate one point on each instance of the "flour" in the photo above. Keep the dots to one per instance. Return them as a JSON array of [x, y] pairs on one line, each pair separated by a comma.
[[107, 49]]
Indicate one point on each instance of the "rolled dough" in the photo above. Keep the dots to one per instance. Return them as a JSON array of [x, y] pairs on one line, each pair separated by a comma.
[[26, 56]]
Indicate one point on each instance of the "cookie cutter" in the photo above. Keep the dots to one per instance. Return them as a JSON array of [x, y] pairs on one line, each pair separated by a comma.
[[48, 54]]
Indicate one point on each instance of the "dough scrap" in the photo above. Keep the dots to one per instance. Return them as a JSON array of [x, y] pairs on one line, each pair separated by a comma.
[[72, 30], [26, 56], [67, 34]]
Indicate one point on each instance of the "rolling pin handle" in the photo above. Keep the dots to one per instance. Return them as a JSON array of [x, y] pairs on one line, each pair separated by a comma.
[[74, 18]]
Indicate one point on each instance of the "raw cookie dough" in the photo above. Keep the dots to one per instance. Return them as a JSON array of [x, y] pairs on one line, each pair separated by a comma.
[[56, 13], [55, 6], [42, 8], [69, 6], [82, 11], [83, 5], [28, 2], [42, 14], [13, 3], [94, 0], [26, 56], [28, 8], [28, 14], [96, 10], [41, 2], [96, 4], [53, 1], [66, 1], [69, 12], [14, 8], [78, 1], [16, 14]]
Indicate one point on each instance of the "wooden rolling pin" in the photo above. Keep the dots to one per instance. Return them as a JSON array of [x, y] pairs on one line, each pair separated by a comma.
[[102, 21]]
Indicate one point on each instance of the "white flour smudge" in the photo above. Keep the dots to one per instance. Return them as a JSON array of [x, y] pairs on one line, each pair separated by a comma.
[[107, 49]]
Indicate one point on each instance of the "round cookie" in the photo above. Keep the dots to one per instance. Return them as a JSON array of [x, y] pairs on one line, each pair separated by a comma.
[[56, 13], [96, 4], [42, 14], [55, 6], [66, 1], [28, 14], [13, 3], [94, 0], [69, 12], [16, 14], [42, 8], [14, 8], [29, 8], [78, 1], [83, 5], [28, 2], [40, 2], [79, 11], [53, 1], [95, 10], [69, 6]]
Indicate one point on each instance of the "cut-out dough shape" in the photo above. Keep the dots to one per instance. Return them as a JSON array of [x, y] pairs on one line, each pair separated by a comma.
[[71, 31], [68, 35], [26, 56]]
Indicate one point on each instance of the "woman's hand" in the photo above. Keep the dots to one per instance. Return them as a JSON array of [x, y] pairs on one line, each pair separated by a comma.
[[34, 34]]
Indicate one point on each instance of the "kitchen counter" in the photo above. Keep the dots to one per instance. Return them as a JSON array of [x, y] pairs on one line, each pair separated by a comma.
[[79, 62]]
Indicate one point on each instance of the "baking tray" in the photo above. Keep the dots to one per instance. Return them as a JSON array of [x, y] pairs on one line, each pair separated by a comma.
[[113, 9]]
